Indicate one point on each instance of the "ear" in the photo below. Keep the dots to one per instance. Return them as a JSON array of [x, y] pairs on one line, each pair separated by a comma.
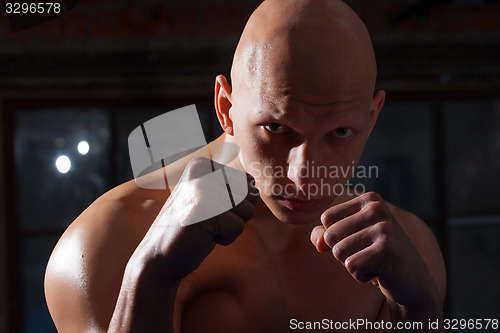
[[223, 103], [376, 105]]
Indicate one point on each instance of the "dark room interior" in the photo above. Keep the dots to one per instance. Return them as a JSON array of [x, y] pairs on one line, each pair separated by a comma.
[[93, 74]]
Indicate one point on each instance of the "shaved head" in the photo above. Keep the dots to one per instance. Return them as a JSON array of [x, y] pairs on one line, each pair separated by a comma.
[[302, 93], [308, 47]]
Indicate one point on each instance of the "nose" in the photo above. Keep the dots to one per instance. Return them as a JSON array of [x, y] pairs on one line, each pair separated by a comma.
[[300, 164]]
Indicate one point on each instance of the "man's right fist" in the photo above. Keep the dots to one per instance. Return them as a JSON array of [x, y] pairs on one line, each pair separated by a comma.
[[208, 206]]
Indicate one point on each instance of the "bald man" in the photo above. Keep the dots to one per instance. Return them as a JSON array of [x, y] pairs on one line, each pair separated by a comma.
[[302, 94]]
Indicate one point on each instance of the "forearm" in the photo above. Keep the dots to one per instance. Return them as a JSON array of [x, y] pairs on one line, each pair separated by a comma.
[[145, 303], [417, 317]]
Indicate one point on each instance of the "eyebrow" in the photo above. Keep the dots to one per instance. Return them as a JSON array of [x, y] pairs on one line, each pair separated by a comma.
[[271, 112]]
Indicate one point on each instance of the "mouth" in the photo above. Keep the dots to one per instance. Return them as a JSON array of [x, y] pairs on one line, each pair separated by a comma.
[[299, 205]]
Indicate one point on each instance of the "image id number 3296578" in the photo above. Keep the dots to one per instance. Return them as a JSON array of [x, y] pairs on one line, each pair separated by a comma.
[[471, 324], [33, 7]]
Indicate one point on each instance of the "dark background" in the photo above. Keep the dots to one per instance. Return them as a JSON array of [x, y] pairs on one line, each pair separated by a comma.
[[106, 66]]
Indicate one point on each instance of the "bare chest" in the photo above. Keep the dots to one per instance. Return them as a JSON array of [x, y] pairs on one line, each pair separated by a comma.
[[257, 293]]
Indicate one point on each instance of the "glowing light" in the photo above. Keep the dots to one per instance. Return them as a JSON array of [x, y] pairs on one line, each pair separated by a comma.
[[63, 164], [83, 147]]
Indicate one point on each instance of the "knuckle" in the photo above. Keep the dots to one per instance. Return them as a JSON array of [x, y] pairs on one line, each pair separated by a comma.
[[325, 217], [382, 235], [382, 228], [372, 196], [351, 266], [198, 167], [198, 162], [354, 268], [330, 238], [382, 241], [379, 247], [374, 210], [369, 211], [338, 252]]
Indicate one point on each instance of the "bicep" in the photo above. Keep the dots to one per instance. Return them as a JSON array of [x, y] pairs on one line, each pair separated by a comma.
[[85, 271], [66, 290]]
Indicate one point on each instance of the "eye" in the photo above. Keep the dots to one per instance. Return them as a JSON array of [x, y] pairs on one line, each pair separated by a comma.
[[342, 132], [275, 128]]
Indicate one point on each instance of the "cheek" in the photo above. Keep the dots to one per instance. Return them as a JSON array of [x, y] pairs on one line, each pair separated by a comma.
[[263, 168], [253, 149], [255, 161], [240, 132]]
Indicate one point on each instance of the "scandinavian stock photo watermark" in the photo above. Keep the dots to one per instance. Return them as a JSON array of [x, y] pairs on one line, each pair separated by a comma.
[[161, 148], [319, 180]]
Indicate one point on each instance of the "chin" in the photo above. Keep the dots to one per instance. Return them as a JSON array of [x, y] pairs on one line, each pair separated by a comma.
[[301, 218]]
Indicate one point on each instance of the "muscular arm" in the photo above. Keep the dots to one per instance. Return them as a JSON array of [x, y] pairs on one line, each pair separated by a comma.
[[145, 303], [393, 249], [85, 271], [114, 267]]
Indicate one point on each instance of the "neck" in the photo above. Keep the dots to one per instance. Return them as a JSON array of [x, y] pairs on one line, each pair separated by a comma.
[[283, 238]]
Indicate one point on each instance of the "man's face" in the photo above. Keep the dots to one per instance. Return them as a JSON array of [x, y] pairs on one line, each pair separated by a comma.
[[301, 105], [300, 148]]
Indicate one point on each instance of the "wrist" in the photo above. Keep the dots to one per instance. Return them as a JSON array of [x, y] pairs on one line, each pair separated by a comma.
[[427, 307], [150, 270], [146, 301]]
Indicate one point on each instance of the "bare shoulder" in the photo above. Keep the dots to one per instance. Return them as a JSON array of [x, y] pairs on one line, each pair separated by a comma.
[[424, 240], [85, 270]]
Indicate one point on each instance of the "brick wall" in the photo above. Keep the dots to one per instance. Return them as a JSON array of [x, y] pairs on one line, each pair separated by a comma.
[[382, 16], [92, 19], [96, 20], [115, 47], [183, 44], [191, 41]]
